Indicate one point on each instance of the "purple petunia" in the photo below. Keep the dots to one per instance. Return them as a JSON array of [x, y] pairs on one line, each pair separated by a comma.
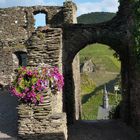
[[31, 82]]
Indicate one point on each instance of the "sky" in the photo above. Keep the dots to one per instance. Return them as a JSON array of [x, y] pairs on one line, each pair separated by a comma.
[[84, 6]]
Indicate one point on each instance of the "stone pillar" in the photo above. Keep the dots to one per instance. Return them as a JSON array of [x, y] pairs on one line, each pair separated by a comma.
[[69, 12], [46, 47], [70, 17], [125, 103], [77, 88], [133, 51], [46, 120]]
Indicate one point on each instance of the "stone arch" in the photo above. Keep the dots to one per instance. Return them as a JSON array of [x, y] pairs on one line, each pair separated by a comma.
[[42, 10], [76, 37]]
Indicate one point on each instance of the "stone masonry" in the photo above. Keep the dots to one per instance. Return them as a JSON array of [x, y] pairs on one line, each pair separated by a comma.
[[44, 45], [117, 33], [58, 43], [40, 121]]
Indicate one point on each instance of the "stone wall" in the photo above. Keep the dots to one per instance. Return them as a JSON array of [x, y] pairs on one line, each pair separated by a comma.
[[38, 122], [72, 100], [77, 86], [17, 24], [6, 66], [17, 33], [70, 10], [44, 46]]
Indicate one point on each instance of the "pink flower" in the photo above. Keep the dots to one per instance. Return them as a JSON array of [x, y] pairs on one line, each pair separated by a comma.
[[29, 73], [30, 82]]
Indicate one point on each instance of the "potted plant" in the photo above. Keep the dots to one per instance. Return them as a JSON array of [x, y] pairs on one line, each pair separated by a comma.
[[31, 84]]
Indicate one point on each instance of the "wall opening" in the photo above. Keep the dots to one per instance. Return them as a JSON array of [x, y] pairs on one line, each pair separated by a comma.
[[100, 83], [40, 19], [101, 73], [20, 59], [97, 75]]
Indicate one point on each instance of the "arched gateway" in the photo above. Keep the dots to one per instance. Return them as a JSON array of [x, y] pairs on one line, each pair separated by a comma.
[[58, 44]]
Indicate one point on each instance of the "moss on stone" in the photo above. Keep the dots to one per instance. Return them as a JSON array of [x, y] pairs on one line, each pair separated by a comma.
[[41, 35]]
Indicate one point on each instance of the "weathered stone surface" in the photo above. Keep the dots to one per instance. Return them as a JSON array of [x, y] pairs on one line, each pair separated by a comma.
[[118, 34], [44, 46], [60, 47], [44, 125]]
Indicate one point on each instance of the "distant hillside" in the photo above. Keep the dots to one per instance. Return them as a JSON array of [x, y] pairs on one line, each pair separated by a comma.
[[96, 17]]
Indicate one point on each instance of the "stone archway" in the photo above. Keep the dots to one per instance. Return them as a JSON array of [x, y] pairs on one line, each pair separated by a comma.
[[120, 34], [114, 33], [72, 79], [117, 33]]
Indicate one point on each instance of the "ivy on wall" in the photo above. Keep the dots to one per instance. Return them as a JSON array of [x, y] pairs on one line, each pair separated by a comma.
[[137, 29]]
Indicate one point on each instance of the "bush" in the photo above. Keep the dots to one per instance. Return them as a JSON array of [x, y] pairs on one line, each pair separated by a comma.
[[31, 83], [114, 113]]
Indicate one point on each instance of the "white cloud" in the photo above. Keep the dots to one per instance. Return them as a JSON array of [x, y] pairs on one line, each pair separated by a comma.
[[10, 3], [104, 5], [83, 7], [2, 1]]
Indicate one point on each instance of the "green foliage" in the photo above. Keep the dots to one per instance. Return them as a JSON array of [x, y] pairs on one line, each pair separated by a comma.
[[136, 32], [102, 56], [87, 84], [31, 83], [92, 84], [96, 17], [114, 113], [90, 108], [41, 35]]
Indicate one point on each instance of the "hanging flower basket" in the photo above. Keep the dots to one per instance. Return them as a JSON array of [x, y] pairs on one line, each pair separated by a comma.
[[31, 83]]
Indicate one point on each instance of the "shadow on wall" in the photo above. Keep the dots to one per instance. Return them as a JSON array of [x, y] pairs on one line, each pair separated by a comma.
[[47, 136], [8, 115], [110, 85]]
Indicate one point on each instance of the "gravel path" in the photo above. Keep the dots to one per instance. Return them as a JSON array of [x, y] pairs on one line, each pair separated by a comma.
[[8, 116], [101, 130]]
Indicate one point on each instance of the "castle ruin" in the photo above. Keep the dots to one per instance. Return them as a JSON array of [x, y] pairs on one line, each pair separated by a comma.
[[58, 43]]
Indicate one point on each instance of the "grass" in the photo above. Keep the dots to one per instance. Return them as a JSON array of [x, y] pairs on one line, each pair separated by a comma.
[[87, 84], [108, 69], [102, 56], [90, 108]]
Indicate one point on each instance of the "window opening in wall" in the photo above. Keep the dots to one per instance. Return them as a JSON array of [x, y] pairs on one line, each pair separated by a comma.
[[100, 83], [40, 20], [22, 58]]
